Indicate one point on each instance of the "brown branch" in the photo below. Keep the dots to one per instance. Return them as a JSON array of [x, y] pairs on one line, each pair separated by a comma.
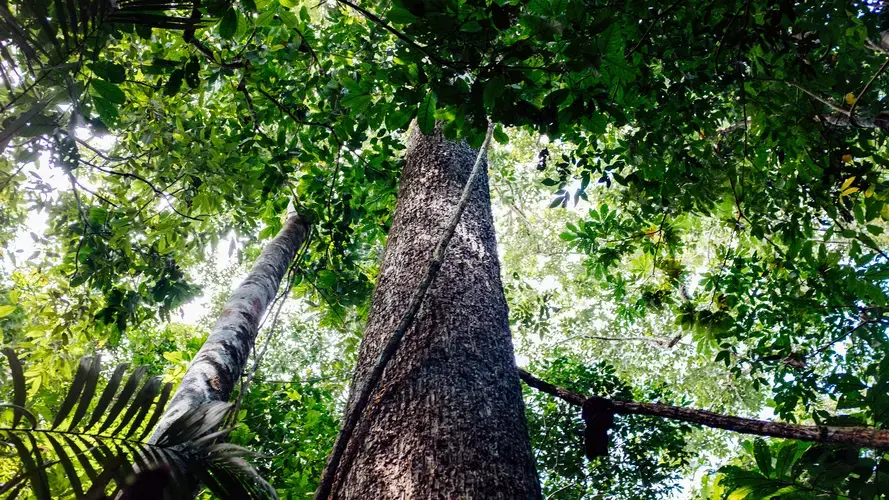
[[308, 46], [150, 185], [401, 36], [867, 86], [203, 49], [662, 342], [863, 437], [295, 118], [650, 26]]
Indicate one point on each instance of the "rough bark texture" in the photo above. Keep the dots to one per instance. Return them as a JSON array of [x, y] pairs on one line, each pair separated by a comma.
[[220, 361], [447, 419], [855, 436]]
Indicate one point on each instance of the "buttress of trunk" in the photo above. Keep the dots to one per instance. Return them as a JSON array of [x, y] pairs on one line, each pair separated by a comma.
[[447, 419], [219, 363]]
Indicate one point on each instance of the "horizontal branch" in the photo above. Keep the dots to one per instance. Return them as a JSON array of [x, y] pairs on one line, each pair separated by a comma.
[[863, 437]]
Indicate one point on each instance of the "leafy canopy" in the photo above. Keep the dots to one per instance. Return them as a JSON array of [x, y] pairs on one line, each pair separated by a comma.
[[728, 158]]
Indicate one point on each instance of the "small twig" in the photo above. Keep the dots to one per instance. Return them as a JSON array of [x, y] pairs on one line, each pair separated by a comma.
[[817, 97], [154, 188], [866, 87], [401, 36], [308, 46], [242, 88], [650, 26], [295, 118], [11, 177], [203, 49], [657, 247], [350, 420], [97, 195], [83, 220], [663, 342], [104, 156]]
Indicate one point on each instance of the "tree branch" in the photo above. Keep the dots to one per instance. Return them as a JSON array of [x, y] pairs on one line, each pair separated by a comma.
[[401, 36], [863, 437], [867, 86], [295, 118]]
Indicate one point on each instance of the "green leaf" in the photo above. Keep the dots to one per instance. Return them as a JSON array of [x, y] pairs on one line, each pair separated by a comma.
[[6, 310], [397, 15], [30, 458], [500, 136], [397, 119], [89, 391], [19, 392], [114, 73], [108, 91], [80, 379], [107, 395], [264, 18], [493, 90], [158, 410], [762, 456], [471, 27], [289, 18], [174, 84], [67, 466], [228, 25], [326, 279], [786, 459], [123, 399], [426, 114], [357, 102]]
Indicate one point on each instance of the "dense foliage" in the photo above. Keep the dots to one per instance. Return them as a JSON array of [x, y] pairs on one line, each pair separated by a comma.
[[692, 202]]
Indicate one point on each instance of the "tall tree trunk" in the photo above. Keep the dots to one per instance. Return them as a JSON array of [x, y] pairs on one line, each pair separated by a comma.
[[447, 419], [220, 362]]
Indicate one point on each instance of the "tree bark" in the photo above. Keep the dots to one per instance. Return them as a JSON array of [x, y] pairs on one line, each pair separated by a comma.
[[447, 419], [220, 362], [863, 437]]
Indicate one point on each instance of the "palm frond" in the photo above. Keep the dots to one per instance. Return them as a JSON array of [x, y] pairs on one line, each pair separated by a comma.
[[99, 456], [42, 43]]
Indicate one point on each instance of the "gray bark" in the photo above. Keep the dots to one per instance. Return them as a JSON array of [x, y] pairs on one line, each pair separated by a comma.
[[219, 363], [447, 419]]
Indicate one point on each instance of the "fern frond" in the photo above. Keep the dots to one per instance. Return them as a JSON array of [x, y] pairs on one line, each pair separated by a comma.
[[100, 454]]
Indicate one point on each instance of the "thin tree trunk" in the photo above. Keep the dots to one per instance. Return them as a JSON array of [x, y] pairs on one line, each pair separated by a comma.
[[863, 437], [447, 419], [216, 368]]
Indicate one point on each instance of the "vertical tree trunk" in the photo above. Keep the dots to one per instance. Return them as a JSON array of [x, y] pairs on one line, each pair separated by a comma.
[[220, 362], [447, 419]]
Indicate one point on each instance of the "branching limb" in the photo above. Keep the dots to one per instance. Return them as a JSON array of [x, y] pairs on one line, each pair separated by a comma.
[[401, 36], [295, 118], [154, 188], [863, 437], [866, 87]]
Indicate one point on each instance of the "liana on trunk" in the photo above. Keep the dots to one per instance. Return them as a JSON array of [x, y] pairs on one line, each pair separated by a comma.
[[447, 418]]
